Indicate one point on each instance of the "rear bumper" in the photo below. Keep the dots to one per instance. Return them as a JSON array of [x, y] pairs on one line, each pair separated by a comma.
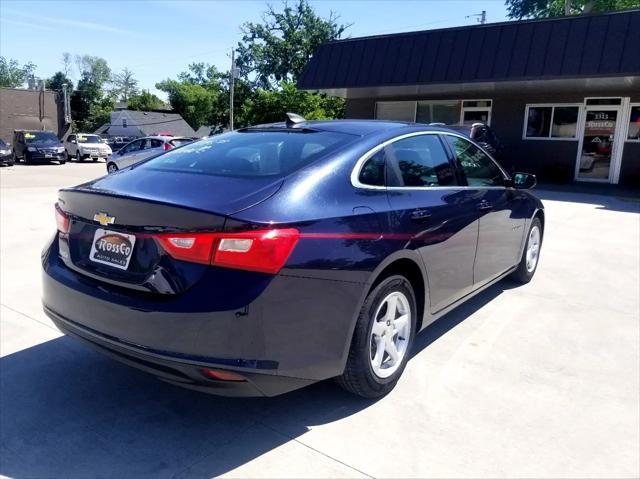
[[185, 373], [292, 333]]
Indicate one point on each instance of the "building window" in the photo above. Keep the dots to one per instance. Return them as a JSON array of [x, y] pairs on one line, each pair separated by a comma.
[[634, 124], [556, 122], [447, 112], [396, 110], [476, 111]]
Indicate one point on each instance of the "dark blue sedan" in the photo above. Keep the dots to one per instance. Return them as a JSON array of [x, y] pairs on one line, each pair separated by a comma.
[[262, 260]]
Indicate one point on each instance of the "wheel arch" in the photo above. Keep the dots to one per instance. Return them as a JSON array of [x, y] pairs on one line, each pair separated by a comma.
[[408, 264]]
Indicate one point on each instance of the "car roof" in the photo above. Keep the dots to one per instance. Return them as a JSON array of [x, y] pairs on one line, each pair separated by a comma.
[[353, 127]]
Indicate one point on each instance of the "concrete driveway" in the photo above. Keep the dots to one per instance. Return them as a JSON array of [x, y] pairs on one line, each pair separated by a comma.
[[533, 381]]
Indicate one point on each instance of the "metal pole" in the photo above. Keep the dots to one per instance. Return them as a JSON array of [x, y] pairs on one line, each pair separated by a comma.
[[483, 17], [232, 81]]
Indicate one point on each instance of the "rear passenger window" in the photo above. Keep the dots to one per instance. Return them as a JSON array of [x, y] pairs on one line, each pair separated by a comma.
[[154, 144], [372, 172], [479, 169], [418, 161]]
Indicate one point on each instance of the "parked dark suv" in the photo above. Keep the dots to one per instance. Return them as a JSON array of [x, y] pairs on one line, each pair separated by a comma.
[[33, 145]]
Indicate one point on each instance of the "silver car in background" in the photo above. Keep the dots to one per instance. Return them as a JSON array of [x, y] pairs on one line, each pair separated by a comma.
[[143, 148]]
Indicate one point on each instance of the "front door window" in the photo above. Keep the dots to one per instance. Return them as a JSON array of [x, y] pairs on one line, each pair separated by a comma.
[[597, 144]]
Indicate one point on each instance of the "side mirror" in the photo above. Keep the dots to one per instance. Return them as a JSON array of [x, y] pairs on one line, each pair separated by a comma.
[[524, 181]]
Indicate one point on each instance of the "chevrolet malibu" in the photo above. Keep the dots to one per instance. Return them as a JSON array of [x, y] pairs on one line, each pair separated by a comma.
[[265, 259]]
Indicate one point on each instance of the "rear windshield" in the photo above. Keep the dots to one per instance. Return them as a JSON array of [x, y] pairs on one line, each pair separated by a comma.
[[251, 153]]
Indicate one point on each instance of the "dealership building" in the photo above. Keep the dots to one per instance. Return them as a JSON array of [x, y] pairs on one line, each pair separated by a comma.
[[562, 94]]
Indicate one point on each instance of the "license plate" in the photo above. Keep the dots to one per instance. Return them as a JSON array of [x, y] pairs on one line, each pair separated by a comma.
[[48, 155], [112, 248]]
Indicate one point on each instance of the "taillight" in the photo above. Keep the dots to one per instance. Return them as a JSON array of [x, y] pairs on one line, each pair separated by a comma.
[[264, 251], [62, 220], [192, 247], [168, 146]]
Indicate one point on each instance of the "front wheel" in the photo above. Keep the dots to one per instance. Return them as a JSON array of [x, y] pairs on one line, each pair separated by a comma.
[[382, 339], [78, 157], [531, 254], [112, 168]]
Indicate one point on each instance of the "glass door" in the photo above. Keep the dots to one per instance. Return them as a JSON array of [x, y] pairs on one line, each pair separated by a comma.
[[597, 145]]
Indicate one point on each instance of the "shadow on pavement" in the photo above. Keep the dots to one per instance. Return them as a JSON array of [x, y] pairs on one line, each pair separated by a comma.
[[67, 411], [629, 203]]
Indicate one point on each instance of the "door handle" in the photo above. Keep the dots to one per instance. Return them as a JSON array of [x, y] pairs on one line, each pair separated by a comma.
[[420, 215], [484, 205]]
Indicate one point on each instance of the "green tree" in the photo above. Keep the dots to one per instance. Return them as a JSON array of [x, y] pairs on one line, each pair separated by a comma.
[[553, 8], [145, 101], [194, 102], [279, 48], [125, 85], [95, 69], [267, 106], [56, 82], [91, 104], [66, 63], [12, 75]]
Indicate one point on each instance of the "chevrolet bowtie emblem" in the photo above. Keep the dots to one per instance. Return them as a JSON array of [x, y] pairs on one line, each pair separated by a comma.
[[104, 219]]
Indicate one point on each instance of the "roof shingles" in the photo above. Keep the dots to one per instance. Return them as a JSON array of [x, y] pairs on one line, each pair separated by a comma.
[[565, 47]]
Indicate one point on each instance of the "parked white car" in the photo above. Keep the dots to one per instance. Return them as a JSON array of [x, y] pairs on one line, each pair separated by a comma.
[[83, 145], [143, 148]]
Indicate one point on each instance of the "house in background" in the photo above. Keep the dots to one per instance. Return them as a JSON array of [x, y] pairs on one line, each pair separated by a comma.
[[563, 93], [134, 124]]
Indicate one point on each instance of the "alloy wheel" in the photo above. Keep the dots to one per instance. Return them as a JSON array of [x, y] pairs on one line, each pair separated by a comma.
[[390, 334], [533, 249]]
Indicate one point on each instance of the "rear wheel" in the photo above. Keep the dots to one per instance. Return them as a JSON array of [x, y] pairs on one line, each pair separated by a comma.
[[382, 339], [531, 254], [112, 168]]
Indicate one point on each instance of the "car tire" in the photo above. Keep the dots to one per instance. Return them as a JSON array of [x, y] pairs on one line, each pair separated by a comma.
[[530, 255], [371, 372], [26, 159], [112, 168], [62, 162], [78, 157]]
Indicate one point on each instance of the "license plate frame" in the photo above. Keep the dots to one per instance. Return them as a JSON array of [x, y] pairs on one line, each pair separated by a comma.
[[115, 248]]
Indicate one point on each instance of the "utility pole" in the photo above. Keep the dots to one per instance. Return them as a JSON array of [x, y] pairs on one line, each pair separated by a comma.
[[232, 81], [482, 17]]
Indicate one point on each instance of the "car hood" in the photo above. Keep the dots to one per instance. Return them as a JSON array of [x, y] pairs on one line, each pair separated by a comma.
[[213, 194]]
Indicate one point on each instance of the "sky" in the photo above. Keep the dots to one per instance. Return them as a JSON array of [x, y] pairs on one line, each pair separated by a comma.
[[157, 39]]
